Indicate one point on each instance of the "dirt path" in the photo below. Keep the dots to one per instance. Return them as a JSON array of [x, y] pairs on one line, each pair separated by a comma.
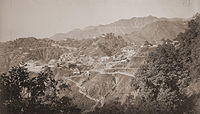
[[123, 73], [85, 94], [80, 87], [97, 101]]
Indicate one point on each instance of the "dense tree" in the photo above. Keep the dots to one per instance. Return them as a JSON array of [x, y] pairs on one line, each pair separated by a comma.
[[21, 94], [12, 85], [189, 47], [167, 73], [160, 80]]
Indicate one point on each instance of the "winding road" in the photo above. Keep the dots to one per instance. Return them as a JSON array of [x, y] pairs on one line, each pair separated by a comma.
[[92, 98]]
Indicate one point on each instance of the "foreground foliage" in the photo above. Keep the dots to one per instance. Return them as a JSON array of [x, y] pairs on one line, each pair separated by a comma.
[[22, 94]]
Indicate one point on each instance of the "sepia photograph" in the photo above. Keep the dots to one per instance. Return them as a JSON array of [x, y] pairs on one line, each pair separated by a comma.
[[99, 56]]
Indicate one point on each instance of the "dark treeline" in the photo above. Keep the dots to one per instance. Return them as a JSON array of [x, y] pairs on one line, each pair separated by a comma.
[[21, 94]]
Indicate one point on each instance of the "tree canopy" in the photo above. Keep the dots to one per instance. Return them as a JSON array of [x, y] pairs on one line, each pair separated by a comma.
[[21, 94]]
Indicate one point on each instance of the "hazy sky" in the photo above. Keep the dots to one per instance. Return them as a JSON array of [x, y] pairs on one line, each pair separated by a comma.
[[44, 18]]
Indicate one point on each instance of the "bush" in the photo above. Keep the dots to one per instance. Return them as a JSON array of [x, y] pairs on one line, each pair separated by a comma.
[[21, 94]]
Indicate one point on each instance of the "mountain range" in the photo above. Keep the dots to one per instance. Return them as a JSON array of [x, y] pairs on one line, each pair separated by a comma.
[[135, 29]]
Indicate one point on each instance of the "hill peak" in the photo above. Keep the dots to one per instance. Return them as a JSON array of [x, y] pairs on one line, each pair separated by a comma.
[[120, 27]]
